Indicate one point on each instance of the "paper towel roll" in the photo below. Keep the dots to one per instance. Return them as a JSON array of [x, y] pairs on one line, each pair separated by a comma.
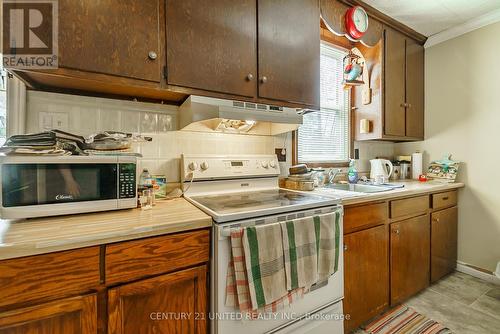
[[416, 165]]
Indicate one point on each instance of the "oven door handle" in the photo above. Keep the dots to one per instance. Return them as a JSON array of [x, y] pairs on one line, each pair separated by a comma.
[[225, 231]]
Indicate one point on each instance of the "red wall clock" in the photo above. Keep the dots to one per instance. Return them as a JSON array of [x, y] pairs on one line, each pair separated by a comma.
[[356, 22]]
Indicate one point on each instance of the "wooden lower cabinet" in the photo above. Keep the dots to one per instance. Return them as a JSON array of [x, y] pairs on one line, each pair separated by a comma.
[[70, 315], [366, 279], [410, 257], [444, 227], [170, 303]]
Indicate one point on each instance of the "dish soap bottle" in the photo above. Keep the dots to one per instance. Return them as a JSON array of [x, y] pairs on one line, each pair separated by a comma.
[[352, 173], [145, 178]]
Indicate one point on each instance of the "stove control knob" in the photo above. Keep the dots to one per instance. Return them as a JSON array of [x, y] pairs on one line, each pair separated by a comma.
[[272, 164], [264, 164], [193, 166], [204, 165]]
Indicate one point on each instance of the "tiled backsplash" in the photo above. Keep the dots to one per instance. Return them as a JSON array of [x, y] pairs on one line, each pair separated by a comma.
[[86, 115]]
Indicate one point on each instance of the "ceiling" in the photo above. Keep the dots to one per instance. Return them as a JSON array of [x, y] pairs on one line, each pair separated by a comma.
[[430, 17]]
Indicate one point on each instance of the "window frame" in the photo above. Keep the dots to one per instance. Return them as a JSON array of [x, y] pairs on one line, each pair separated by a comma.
[[344, 45]]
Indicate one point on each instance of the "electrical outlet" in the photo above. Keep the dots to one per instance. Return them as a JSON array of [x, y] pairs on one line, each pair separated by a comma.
[[281, 157], [60, 120]]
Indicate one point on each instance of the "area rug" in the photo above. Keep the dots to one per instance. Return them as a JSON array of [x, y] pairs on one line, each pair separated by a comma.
[[405, 320]]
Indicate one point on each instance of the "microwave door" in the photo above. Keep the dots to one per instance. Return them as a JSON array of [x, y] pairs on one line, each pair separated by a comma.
[[41, 184]]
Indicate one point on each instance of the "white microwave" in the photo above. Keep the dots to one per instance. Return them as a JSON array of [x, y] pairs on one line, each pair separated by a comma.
[[38, 186]]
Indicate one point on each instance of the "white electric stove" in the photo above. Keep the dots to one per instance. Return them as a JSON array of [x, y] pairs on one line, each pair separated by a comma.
[[243, 190]]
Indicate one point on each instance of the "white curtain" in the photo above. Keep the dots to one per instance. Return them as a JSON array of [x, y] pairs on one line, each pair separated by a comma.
[[16, 106]]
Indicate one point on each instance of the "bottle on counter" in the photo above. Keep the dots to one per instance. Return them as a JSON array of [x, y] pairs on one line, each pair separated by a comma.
[[145, 178], [352, 173]]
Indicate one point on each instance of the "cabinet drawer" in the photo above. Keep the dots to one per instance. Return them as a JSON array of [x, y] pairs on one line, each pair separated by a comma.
[[409, 206], [443, 200], [130, 260], [364, 216], [48, 276]]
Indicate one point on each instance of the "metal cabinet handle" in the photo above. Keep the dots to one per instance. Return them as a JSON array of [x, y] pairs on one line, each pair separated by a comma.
[[263, 79], [152, 55], [345, 247], [396, 231], [436, 220], [403, 105], [408, 105], [250, 77]]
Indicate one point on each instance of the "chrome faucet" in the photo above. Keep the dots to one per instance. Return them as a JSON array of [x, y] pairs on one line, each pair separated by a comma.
[[332, 173]]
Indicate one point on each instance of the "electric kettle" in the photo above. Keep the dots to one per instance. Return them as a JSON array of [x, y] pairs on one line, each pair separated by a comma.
[[379, 169]]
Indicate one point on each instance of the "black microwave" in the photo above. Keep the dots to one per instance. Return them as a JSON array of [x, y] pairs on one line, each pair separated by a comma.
[[38, 186]]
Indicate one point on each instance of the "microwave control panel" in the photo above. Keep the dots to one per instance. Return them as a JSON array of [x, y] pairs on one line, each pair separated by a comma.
[[126, 180]]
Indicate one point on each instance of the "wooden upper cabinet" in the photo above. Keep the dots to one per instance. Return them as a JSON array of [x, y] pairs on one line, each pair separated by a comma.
[[172, 303], [211, 45], [111, 37], [394, 61], [71, 315], [410, 257], [404, 87], [289, 50], [366, 274], [414, 89]]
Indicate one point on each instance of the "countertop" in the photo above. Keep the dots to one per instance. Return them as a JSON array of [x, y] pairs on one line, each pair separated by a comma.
[[410, 188], [51, 234]]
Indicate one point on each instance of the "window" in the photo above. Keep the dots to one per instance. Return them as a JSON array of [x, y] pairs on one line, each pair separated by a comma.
[[324, 136], [3, 104]]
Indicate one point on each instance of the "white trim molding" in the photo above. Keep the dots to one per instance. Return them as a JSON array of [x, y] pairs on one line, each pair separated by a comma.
[[470, 270], [476, 23]]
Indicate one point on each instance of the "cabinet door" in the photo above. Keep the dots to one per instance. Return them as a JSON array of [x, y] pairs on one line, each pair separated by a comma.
[[172, 303], [394, 78], [289, 54], [71, 315], [443, 242], [410, 257], [366, 274], [414, 89], [110, 36], [211, 45]]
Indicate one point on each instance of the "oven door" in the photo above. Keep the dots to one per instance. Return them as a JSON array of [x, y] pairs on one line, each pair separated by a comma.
[[327, 297], [28, 186]]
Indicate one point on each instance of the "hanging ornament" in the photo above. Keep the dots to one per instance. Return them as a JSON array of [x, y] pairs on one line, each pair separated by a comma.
[[354, 65]]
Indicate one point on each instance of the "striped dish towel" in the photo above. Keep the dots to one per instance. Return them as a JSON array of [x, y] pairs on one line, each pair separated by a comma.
[[329, 243], [237, 292], [265, 265], [311, 247], [301, 254]]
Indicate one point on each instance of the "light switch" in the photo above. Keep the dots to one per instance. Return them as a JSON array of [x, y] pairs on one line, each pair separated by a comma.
[[53, 120], [44, 121]]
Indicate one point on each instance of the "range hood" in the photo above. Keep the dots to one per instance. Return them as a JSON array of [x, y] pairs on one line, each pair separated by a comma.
[[199, 113]]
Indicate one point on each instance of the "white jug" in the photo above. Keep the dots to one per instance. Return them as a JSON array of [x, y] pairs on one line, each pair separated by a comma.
[[379, 169]]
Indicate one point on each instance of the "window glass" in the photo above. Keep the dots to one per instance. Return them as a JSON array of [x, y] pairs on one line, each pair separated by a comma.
[[324, 135]]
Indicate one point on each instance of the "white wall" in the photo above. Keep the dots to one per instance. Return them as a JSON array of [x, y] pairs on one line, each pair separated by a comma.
[[462, 117]]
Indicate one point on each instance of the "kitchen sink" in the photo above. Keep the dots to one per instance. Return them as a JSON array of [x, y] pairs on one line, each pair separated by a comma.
[[360, 188]]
